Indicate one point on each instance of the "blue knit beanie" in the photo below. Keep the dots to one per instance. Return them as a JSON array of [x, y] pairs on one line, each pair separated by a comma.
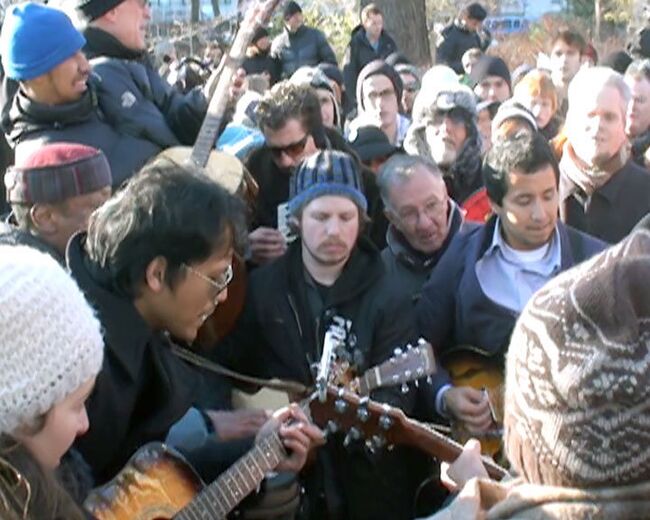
[[327, 172], [36, 38]]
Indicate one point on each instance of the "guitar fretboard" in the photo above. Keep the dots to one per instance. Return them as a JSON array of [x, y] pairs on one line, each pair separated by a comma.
[[222, 496]]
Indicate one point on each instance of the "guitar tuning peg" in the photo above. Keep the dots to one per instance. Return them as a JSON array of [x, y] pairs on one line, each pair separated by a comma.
[[421, 341], [429, 380], [363, 414], [370, 447], [405, 388], [397, 352], [330, 428], [340, 406], [408, 374], [378, 441], [385, 422], [353, 435], [409, 347], [417, 383]]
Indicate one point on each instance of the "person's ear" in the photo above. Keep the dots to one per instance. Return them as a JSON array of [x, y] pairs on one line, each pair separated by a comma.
[[43, 219], [155, 274]]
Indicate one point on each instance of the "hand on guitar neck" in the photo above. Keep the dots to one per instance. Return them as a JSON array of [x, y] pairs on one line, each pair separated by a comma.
[[297, 433], [469, 406]]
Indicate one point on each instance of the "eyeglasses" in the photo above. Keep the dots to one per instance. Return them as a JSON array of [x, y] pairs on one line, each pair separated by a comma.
[[293, 150], [433, 211], [455, 115], [384, 94], [218, 285]]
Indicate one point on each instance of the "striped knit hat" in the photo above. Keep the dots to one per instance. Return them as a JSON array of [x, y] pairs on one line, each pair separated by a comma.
[[56, 172], [577, 400], [327, 172]]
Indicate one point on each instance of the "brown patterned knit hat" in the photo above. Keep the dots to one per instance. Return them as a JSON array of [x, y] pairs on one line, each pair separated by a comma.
[[577, 405]]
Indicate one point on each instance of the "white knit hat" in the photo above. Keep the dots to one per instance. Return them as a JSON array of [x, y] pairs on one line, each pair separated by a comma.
[[50, 340]]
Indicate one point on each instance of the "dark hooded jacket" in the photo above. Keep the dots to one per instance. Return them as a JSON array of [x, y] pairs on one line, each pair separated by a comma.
[[307, 46], [359, 53], [456, 40], [136, 100], [32, 124], [280, 334]]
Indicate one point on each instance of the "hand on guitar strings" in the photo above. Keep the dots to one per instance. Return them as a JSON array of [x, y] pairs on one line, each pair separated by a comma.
[[297, 433], [469, 406], [266, 244], [468, 465], [237, 424]]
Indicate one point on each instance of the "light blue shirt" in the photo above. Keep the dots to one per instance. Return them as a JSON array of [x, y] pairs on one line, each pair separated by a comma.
[[509, 277]]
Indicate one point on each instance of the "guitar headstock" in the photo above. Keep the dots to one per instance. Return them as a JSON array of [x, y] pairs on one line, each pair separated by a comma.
[[407, 364], [359, 417]]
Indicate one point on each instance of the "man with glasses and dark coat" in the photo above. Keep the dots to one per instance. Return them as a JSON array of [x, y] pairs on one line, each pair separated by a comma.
[[290, 119]]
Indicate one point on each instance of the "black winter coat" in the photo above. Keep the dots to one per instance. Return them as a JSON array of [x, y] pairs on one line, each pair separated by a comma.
[[136, 100], [34, 124], [142, 389], [456, 40], [278, 336], [359, 53], [307, 46], [615, 208]]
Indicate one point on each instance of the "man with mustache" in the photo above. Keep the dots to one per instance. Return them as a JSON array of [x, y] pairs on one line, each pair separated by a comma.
[[486, 276], [54, 101], [289, 116], [331, 277], [603, 192]]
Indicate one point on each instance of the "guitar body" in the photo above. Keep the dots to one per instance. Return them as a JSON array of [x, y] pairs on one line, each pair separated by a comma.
[[155, 485], [473, 367], [228, 172]]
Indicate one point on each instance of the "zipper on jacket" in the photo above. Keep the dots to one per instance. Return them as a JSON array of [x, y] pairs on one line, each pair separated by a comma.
[[295, 314]]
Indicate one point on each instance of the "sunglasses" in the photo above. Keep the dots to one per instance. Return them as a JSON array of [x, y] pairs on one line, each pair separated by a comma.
[[293, 150]]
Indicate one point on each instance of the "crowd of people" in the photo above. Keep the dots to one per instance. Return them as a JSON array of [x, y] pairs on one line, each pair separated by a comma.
[[495, 209]]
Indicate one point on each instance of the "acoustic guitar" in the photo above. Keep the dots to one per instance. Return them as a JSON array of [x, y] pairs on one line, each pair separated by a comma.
[[225, 169], [158, 484], [473, 367], [381, 425]]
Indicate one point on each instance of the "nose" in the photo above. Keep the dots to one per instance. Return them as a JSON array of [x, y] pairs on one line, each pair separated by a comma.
[[285, 160], [537, 210], [333, 226], [84, 423], [221, 297]]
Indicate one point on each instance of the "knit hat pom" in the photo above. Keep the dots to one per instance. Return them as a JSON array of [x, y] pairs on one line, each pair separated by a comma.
[[35, 39], [50, 340], [326, 172]]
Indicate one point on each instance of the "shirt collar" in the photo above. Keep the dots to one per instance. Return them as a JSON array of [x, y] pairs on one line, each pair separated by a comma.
[[552, 261]]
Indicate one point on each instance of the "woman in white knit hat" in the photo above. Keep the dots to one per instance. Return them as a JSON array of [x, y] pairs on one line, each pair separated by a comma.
[[51, 350]]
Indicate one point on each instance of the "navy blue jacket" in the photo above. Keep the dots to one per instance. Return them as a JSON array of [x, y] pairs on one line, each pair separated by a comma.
[[307, 46], [453, 310]]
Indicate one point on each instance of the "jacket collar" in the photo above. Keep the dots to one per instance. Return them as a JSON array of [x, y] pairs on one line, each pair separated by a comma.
[[128, 340], [415, 260], [101, 43], [27, 115]]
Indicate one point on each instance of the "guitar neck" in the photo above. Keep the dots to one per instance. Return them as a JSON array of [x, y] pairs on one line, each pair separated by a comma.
[[369, 381], [222, 496], [442, 447]]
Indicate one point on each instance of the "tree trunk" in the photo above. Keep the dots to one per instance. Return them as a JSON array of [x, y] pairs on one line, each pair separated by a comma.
[[194, 16], [597, 17], [215, 8], [406, 22]]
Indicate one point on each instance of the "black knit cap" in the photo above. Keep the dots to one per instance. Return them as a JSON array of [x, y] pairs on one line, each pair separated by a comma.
[[379, 67], [93, 9], [619, 61], [332, 72], [490, 66], [476, 11], [370, 142], [639, 47], [290, 9]]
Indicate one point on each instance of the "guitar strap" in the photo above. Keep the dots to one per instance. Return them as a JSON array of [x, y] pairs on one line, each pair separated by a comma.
[[282, 385]]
